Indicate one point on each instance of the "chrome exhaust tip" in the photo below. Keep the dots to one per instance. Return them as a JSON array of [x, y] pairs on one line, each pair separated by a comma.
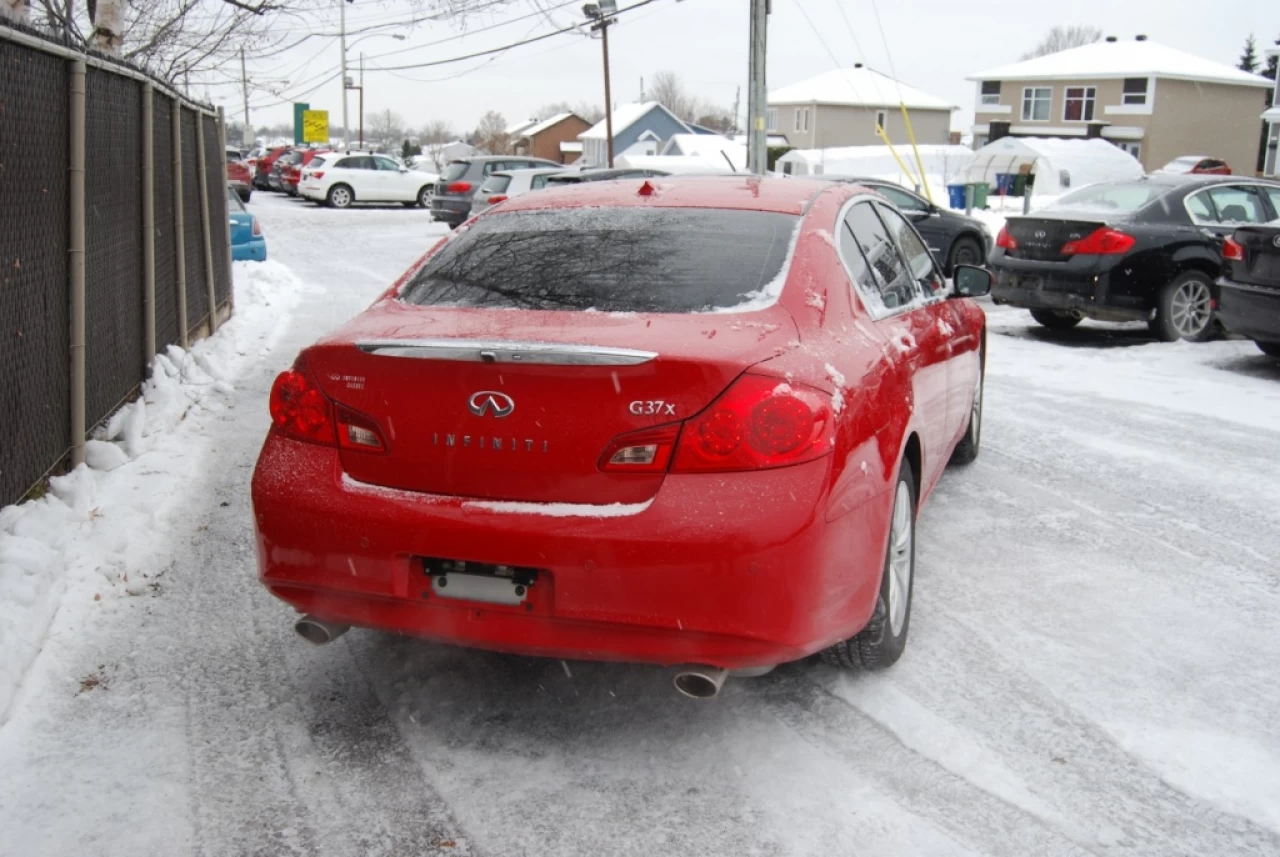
[[700, 682], [318, 632]]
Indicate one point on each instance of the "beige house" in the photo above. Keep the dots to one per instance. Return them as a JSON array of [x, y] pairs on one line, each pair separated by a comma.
[[844, 106], [1153, 101]]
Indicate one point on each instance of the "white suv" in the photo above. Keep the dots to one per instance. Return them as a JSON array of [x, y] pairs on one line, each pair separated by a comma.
[[503, 185], [339, 179]]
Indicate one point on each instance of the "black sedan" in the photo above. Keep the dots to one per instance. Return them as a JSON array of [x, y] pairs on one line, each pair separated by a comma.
[[1143, 250], [1249, 292], [953, 237]]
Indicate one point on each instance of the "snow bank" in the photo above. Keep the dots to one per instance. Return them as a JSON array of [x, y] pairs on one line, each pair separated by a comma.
[[98, 533]]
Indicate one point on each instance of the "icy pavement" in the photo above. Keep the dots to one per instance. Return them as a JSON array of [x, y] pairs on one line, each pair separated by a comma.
[[1091, 671]]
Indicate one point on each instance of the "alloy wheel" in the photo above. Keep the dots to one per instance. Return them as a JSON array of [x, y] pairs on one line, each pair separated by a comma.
[[340, 197], [1191, 308], [901, 558]]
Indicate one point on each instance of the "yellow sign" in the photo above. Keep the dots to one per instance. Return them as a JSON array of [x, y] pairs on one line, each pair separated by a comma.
[[315, 126]]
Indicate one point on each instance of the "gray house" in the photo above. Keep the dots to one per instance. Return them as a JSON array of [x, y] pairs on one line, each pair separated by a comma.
[[638, 129]]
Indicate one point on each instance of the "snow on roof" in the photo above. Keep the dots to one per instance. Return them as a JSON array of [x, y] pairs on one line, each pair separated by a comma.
[[624, 117], [571, 145], [518, 129], [859, 86], [710, 147], [1123, 59], [539, 127], [770, 139]]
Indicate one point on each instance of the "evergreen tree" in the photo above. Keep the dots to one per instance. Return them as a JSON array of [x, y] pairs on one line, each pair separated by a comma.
[[1249, 59]]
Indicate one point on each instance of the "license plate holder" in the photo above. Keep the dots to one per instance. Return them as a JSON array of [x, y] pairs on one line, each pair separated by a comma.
[[485, 583]]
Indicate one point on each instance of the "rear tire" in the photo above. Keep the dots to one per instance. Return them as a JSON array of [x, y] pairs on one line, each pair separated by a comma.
[[339, 196], [964, 251], [424, 196], [1184, 309], [966, 450], [1271, 349], [1055, 319], [882, 642]]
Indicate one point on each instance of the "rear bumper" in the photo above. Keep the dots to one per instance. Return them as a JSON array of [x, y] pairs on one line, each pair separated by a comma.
[[1252, 311], [450, 209], [1089, 293], [714, 570], [253, 251]]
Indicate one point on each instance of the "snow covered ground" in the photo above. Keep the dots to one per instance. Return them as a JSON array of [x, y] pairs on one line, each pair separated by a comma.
[[1092, 665]]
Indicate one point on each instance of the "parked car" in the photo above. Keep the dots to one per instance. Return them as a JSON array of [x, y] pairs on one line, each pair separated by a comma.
[[340, 179], [291, 172], [451, 197], [264, 164], [953, 237], [611, 424], [1197, 165], [1249, 292], [501, 186], [606, 175], [1145, 250], [247, 240], [275, 176], [239, 178]]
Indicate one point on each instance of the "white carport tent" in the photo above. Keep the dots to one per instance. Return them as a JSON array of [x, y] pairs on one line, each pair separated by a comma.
[[1058, 165]]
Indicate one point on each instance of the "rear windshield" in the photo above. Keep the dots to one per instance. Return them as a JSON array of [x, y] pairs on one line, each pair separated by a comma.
[[1181, 165], [495, 184], [454, 171], [611, 259], [1112, 197]]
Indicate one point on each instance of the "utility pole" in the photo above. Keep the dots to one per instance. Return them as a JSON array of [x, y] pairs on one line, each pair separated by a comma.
[[361, 101], [642, 88], [600, 12], [737, 101], [757, 154], [342, 44], [244, 91]]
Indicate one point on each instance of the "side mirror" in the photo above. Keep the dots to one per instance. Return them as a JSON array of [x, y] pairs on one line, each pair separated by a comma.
[[971, 281], [917, 215]]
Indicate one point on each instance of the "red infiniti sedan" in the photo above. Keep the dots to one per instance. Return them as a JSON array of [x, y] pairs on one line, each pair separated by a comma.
[[674, 421]]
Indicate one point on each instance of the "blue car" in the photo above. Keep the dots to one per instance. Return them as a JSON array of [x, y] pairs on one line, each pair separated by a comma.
[[247, 241]]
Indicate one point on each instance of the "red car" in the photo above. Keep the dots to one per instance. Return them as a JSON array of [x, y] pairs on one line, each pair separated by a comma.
[[1197, 165], [291, 172], [668, 421], [262, 169], [239, 178]]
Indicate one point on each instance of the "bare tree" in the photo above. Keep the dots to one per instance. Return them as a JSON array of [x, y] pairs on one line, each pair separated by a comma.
[[668, 90], [591, 113], [1060, 38], [435, 135], [384, 126], [491, 134]]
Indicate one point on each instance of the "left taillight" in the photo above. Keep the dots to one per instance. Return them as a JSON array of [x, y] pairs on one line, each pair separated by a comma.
[[300, 410], [644, 451], [497, 198], [317, 174], [257, 226], [1232, 250], [1103, 241]]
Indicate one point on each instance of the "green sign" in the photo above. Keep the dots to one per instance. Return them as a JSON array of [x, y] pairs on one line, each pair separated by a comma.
[[299, 133]]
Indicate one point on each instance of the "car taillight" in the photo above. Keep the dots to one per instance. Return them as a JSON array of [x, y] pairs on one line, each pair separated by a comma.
[[497, 198], [257, 227], [1005, 240], [458, 187], [644, 451], [359, 432], [758, 423], [1102, 241], [318, 174], [1232, 250], [300, 410]]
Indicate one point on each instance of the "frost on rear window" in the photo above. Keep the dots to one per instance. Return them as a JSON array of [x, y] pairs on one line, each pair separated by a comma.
[[455, 170], [612, 260], [1111, 197]]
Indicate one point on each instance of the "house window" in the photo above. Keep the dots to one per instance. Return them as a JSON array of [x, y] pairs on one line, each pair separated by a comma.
[[1135, 90], [1078, 104], [1134, 149], [771, 119], [882, 118], [802, 118], [1035, 103], [990, 92]]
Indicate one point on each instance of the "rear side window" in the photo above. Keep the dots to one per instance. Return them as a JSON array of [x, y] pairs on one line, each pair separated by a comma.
[[495, 184], [1201, 209], [356, 163], [317, 163], [1274, 194], [917, 256], [888, 284], [900, 198], [1238, 205], [538, 182], [454, 171], [611, 259]]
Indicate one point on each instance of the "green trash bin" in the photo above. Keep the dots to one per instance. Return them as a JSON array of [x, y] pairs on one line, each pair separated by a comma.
[[980, 191], [1020, 184]]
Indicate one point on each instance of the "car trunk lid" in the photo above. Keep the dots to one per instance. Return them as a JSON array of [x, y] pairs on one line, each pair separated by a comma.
[[1261, 264], [520, 405], [1041, 238]]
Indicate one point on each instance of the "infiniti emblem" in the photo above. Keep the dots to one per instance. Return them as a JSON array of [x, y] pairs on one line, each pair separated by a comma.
[[1040, 233], [487, 401]]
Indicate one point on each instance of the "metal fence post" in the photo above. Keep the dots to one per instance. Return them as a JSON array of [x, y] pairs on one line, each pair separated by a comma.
[[181, 261], [205, 227], [148, 225], [75, 260], [231, 285]]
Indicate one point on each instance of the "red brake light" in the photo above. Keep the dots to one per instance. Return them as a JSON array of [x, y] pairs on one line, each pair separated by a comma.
[[644, 451], [318, 174], [758, 423], [1103, 241], [458, 187], [300, 410], [497, 198], [1232, 251], [257, 226], [1005, 240]]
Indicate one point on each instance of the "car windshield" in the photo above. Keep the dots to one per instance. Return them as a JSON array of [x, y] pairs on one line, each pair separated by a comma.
[[609, 259], [455, 170], [1129, 196]]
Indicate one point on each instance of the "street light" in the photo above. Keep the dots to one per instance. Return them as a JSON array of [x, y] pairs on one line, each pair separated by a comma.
[[600, 14], [347, 84]]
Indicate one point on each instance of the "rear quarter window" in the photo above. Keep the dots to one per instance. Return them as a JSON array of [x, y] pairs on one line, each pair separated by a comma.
[[455, 171], [495, 184], [611, 259]]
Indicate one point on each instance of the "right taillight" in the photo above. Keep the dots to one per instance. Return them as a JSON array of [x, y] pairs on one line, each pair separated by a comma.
[[497, 198], [300, 410], [758, 423], [1232, 250], [458, 187], [1005, 240]]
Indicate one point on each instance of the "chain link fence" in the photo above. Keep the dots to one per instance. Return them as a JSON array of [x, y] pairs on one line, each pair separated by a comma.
[[38, 121]]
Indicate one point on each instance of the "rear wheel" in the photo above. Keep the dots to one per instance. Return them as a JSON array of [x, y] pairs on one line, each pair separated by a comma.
[[1055, 319], [1271, 349], [882, 642], [340, 196], [967, 449], [1184, 309], [424, 196], [965, 251]]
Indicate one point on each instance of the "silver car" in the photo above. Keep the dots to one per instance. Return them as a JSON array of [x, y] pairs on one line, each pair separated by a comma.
[[505, 184]]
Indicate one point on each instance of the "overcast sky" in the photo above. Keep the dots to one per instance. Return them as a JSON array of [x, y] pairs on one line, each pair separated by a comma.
[[933, 44]]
